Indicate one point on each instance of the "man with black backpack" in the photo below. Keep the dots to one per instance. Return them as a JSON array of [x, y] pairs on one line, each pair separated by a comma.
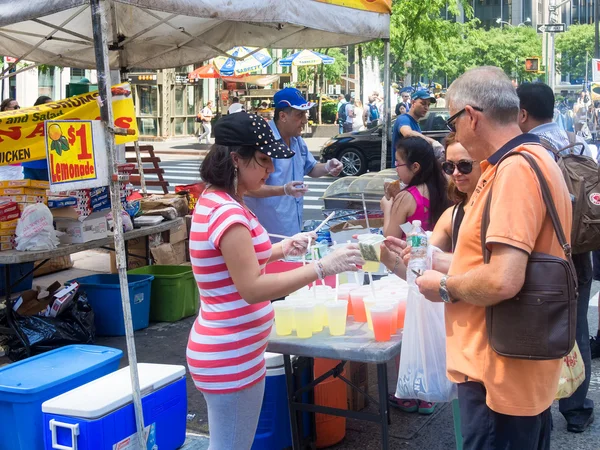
[[574, 158]]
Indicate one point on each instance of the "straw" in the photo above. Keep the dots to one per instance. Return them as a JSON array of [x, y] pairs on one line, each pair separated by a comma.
[[322, 224], [372, 285], [355, 274], [365, 210], [307, 250], [337, 286]]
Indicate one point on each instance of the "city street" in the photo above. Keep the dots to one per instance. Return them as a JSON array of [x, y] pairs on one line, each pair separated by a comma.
[[182, 158]]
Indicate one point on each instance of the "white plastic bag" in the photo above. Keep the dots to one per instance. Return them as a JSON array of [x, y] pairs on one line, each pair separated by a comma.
[[35, 230], [422, 373]]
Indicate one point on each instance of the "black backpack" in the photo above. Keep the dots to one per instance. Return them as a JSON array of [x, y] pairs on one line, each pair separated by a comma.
[[582, 176], [342, 113]]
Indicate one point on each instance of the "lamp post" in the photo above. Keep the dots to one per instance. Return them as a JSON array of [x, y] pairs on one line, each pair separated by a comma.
[[527, 22], [551, 54]]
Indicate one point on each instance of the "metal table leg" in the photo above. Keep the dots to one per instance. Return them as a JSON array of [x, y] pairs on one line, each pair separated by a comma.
[[383, 404], [289, 381]]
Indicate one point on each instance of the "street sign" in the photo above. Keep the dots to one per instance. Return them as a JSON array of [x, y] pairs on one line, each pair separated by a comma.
[[552, 28]]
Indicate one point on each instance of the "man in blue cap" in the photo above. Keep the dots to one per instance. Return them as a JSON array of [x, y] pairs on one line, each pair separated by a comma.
[[279, 203], [408, 124]]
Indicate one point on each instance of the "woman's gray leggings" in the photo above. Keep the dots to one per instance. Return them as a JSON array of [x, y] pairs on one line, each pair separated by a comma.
[[233, 418]]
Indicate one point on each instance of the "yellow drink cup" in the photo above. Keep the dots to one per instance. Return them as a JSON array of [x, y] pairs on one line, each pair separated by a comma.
[[304, 313], [284, 314], [336, 316]]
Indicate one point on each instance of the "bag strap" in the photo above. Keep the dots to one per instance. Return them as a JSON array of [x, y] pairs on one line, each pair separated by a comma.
[[558, 153], [550, 207]]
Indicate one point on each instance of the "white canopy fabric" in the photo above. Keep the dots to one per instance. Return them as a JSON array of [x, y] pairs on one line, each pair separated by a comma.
[[156, 34]]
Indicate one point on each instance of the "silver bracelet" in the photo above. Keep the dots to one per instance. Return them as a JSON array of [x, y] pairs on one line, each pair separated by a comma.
[[319, 269]]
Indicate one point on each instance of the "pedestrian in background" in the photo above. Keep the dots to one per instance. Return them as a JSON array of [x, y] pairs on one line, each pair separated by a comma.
[[349, 109], [37, 170], [537, 111], [9, 104], [358, 123], [504, 402], [206, 116], [229, 250], [340, 113]]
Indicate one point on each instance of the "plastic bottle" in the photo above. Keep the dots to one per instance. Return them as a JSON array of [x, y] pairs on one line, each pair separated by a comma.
[[417, 241]]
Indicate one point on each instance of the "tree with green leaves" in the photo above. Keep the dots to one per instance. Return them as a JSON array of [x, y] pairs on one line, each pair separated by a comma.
[[574, 46]]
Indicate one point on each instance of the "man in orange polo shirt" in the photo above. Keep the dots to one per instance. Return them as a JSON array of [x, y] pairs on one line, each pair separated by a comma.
[[504, 402]]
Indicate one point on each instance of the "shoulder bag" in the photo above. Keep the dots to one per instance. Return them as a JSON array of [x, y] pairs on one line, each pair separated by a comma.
[[539, 322]]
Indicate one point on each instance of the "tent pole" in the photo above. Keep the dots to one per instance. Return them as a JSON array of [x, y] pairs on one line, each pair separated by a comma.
[[99, 26], [387, 116]]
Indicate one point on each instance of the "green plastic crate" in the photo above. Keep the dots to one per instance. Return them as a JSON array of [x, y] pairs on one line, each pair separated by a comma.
[[174, 292]]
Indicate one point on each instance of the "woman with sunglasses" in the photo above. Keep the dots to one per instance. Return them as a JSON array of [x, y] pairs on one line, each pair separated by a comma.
[[9, 104], [424, 197], [464, 174]]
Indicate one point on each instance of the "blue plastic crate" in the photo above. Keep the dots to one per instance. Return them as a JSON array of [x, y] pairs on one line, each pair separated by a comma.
[[16, 271], [100, 415], [26, 384], [104, 294]]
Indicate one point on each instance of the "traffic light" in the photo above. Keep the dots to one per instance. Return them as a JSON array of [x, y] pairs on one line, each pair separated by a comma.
[[532, 64]]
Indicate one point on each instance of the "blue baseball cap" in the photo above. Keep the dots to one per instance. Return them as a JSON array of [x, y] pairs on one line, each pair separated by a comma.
[[291, 97], [424, 95]]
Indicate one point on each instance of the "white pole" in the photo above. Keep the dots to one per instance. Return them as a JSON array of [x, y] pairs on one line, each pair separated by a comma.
[[387, 117], [99, 25]]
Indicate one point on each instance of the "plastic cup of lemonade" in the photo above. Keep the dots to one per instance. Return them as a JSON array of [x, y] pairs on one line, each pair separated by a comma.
[[370, 249], [369, 302], [395, 304], [382, 322], [336, 316], [319, 314], [344, 294], [284, 313], [358, 307], [304, 313]]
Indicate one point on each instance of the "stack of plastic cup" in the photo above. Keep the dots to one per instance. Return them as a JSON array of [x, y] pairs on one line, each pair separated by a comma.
[[336, 316], [304, 313], [382, 322], [358, 307], [284, 314]]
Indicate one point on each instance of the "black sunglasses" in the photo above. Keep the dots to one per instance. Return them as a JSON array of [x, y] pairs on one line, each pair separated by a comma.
[[452, 119], [464, 166]]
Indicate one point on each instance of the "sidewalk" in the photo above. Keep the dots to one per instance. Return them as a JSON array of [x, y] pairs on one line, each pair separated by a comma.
[[166, 342]]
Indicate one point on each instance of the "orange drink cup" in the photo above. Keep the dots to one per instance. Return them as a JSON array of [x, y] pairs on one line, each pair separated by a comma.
[[358, 307], [284, 313], [344, 294], [304, 313], [395, 305], [336, 316], [382, 322], [401, 313]]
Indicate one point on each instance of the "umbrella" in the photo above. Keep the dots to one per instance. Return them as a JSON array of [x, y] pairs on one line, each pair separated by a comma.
[[243, 60], [306, 58], [207, 71]]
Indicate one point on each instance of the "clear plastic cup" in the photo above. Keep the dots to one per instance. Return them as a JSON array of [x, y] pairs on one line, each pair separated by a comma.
[[369, 302], [368, 244], [344, 294], [395, 304], [284, 314], [336, 316], [292, 300], [319, 316], [300, 292], [382, 322], [304, 313], [358, 306]]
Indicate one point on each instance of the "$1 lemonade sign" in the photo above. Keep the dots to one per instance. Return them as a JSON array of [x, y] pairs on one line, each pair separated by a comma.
[[70, 150]]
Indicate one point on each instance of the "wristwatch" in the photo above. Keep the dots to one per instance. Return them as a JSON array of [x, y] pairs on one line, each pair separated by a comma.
[[444, 290]]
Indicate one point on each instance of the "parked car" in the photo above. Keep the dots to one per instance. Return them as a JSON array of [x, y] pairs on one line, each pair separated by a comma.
[[360, 151]]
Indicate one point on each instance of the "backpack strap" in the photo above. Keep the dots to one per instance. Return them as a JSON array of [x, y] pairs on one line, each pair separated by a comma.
[[550, 208], [558, 152]]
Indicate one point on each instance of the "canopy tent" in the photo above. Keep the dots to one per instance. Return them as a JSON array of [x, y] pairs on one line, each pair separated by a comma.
[[157, 34], [306, 58], [154, 34]]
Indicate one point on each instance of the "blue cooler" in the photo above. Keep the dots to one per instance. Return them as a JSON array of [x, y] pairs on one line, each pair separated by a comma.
[[273, 431], [104, 294], [26, 384], [100, 414]]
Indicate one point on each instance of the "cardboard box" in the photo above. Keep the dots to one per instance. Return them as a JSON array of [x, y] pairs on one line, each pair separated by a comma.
[[23, 191], [358, 374], [61, 202], [53, 265], [78, 232], [10, 216], [9, 225], [169, 254], [175, 235], [62, 299], [40, 184], [34, 301], [9, 207]]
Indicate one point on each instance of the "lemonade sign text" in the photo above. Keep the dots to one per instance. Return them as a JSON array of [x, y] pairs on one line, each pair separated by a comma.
[[70, 150]]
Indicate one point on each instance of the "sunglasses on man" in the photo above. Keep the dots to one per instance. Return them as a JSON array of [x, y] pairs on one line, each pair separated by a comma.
[[452, 119], [464, 166]]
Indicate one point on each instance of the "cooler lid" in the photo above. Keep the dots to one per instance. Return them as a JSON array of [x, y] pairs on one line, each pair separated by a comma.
[[111, 392], [44, 371], [273, 360]]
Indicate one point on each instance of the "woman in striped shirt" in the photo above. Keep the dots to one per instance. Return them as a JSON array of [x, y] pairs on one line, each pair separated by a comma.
[[229, 250]]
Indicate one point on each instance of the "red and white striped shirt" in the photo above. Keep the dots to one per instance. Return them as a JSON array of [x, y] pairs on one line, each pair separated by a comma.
[[225, 350]]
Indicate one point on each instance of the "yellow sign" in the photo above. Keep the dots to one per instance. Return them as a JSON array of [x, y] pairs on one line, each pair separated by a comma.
[[70, 147], [379, 6], [22, 131]]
